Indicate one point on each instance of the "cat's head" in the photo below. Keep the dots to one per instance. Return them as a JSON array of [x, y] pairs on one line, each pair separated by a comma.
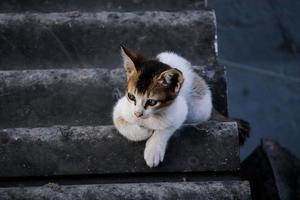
[[151, 85]]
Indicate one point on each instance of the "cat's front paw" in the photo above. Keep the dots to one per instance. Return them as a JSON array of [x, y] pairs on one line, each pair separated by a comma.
[[154, 152]]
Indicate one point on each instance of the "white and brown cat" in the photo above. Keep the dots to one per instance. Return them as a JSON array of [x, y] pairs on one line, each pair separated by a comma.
[[162, 94]]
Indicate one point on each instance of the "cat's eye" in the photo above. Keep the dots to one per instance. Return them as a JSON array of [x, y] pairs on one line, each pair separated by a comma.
[[131, 96], [151, 102]]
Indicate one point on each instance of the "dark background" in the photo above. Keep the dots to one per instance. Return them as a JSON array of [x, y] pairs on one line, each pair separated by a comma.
[[259, 43]]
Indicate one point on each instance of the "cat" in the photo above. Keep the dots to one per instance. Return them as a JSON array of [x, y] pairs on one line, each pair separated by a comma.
[[162, 94]]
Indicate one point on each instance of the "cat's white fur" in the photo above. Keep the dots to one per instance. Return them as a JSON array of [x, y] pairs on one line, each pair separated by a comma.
[[192, 105]]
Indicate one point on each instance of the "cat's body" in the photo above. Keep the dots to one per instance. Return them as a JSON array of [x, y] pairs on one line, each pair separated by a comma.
[[162, 94]]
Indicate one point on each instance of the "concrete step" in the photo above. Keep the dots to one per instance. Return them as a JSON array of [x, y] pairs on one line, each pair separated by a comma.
[[34, 98], [81, 39], [97, 5], [216, 190], [100, 150]]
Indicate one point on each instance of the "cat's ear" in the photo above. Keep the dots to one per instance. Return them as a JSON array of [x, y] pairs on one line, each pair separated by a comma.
[[171, 78], [131, 60]]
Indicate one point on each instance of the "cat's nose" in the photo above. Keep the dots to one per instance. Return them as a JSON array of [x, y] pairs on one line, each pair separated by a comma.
[[138, 114]]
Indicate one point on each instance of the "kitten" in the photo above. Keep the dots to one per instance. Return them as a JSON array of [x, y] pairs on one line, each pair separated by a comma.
[[162, 94]]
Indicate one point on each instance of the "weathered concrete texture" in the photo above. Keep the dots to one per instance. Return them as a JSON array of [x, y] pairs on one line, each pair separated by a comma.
[[76, 39], [62, 150], [189, 190], [97, 5], [273, 172], [70, 97], [34, 98]]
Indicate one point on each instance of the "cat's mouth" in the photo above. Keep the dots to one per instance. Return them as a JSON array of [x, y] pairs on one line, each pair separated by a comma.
[[142, 117]]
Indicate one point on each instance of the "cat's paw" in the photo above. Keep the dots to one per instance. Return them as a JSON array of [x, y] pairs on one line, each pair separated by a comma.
[[154, 152]]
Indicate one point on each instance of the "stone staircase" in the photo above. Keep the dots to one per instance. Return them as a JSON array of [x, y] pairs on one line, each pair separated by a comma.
[[60, 75]]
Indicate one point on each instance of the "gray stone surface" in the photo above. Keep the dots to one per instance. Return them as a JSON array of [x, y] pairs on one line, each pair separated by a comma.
[[34, 98], [80, 39], [62, 150], [217, 190], [97, 5]]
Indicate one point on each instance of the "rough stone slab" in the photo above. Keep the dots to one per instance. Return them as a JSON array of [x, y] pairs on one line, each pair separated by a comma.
[[34, 98], [285, 168], [81, 39], [272, 172], [97, 5], [217, 190], [61, 150]]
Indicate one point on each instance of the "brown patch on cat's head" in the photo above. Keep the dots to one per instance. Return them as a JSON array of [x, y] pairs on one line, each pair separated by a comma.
[[131, 82], [166, 86], [151, 79]]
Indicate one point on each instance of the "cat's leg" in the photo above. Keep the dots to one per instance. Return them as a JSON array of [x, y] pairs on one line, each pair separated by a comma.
[[164, 128], [132, 131], [156, 146], [129, 130]]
